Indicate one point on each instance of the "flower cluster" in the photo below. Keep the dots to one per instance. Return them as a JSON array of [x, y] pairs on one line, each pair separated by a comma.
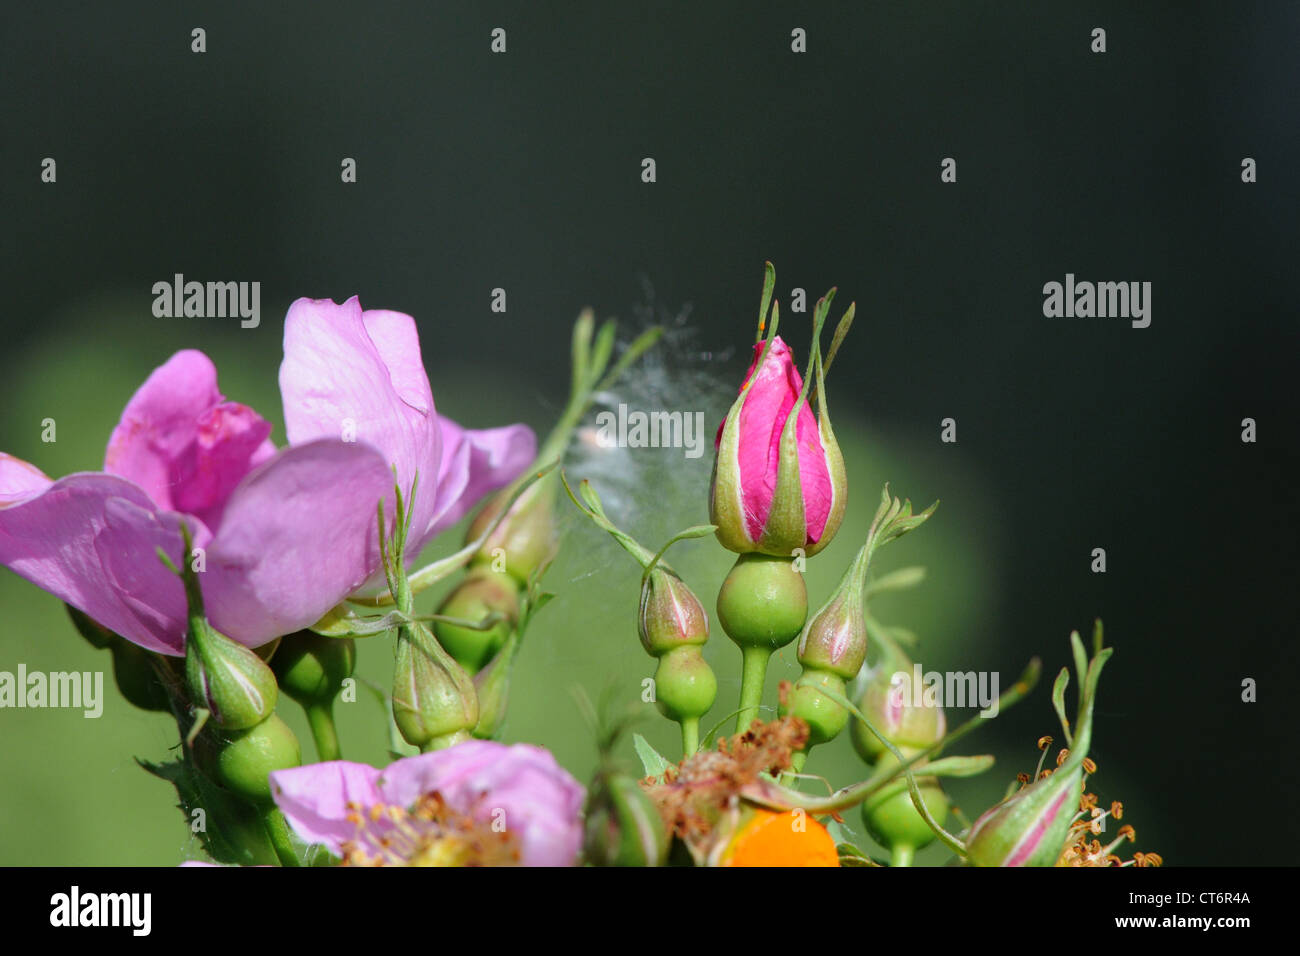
[[226, 573]]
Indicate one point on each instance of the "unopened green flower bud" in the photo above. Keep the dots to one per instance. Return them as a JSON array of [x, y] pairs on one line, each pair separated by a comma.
[[895, 703], [311, 668], [136, 672], [623, 826], [685, 686], [835, 640], [231, 682], [892, 819], [762, 606], [243, 759], [671, 616], [483, 592], [227, 678], [824, 717], [526, 538], [434, 701], [492, 688], [763, 602]]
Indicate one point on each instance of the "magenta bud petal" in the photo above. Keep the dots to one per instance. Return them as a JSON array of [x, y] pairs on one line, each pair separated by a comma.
[[769, 494]]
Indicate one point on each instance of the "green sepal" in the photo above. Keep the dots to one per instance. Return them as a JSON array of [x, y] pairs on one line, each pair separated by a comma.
[[654, 763], [229, 830]]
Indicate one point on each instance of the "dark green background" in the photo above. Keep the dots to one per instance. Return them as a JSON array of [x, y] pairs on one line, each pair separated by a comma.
[[522, 170]]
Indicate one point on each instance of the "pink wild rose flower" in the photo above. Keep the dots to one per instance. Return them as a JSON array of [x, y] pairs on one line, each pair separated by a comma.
[[286, 534]]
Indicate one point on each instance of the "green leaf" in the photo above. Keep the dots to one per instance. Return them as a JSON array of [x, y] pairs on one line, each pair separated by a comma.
[[640, 345], [897, 580], [654, 762], [769, 285], [343, 622], [1058, 702], [956, 766], [589, 496], [1080, 663], [580, 350], [601, 351], [837, 339], [695, 531], [232, 831], [841, 834], [850, 855]]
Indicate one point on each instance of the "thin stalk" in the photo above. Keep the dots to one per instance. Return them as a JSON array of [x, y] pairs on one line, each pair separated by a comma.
[[277, 829], [753, 675], [901, 855], [320, 717], [690, 735]]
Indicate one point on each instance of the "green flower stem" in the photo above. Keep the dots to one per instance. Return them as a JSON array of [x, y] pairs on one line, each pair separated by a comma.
[[790, 777], [690, 735], [277, 829], [321, 719], [591, 373], [753, 675], [901, 855]]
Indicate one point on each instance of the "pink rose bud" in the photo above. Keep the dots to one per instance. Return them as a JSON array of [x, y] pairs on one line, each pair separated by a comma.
[[779, 481], [1030, 827]]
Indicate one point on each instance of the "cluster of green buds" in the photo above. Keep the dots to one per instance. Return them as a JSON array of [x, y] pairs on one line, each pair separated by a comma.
[[903, 723], [312, 669], [831, 651], [437, 701], [453, 667], [671, 621], [435, 704], [233, 693], [833, 647], [443, 689], [900, 715], [1030, 827], [904, 807], [514, 537]]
